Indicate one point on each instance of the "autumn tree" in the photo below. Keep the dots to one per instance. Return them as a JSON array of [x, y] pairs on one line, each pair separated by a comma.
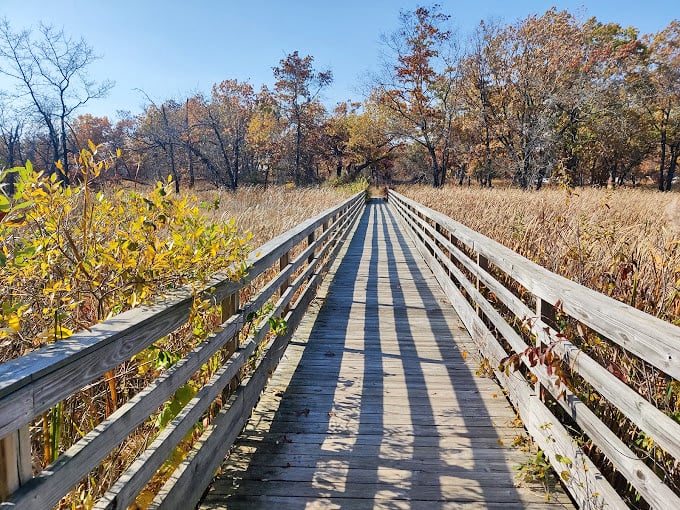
[[228, 115], [660, 86], [477, 90], [297, 88], [417, 84], [358, 138], [50, 70], [265, 132]]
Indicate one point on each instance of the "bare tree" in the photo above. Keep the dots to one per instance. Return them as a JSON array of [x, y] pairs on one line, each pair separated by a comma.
[[50, 71], [11, 129]]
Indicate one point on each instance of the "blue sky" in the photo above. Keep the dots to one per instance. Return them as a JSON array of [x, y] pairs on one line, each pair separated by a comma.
[[174, 48]]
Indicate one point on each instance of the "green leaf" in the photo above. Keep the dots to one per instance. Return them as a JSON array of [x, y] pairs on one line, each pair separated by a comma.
[[5, 206]]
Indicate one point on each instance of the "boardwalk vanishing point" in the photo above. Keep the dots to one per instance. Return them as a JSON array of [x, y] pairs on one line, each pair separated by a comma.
[[378, 401]]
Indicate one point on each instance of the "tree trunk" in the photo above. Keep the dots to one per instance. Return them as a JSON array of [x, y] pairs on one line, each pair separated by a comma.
[[298, 144], [662, 160], [190, 161], [672, 165]]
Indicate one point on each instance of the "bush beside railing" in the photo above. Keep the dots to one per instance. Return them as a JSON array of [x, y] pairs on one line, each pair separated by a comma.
[[33, 383]]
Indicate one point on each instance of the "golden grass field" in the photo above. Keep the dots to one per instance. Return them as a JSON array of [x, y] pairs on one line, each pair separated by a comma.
[[623, 242]]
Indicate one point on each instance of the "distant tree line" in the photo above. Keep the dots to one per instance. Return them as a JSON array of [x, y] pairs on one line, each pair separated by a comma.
[[550, 97]]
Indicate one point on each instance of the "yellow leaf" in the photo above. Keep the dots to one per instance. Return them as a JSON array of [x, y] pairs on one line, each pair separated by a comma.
[[118, 153], [92, 146], [63, 332], [464, 353], [14, 322]]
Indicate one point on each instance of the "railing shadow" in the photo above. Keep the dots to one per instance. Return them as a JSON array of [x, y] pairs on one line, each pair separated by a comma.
[[394, 444], [489, 478]]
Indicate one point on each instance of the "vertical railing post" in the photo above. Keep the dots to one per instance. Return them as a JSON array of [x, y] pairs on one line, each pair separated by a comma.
[[546, 313], [310, 241], [483, 264], [283, 263], [15, 461], [230, 306]]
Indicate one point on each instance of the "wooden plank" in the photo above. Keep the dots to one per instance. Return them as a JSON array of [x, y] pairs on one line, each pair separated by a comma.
[[294, 502], [15, 461]]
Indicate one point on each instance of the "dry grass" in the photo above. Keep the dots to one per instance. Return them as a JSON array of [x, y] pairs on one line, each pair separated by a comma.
[[269, 212], [623, 243]]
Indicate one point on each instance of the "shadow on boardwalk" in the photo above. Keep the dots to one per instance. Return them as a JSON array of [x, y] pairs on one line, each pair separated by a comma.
[[376, 403]]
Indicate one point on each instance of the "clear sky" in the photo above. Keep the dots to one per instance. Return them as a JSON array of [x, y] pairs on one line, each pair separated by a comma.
[[174, 48]]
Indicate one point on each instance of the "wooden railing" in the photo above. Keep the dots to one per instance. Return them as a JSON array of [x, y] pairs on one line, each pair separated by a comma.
[[500, 295], [32, 384]]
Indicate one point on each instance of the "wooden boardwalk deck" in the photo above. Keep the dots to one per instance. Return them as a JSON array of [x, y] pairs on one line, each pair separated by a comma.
[[376, 403]]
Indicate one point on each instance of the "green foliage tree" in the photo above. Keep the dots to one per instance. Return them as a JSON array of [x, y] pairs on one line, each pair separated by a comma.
[[297, 88]]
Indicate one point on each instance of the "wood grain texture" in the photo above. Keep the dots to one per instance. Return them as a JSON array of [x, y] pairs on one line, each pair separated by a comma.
[[376, 403]]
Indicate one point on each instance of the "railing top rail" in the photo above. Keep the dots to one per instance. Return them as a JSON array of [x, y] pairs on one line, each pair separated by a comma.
[[646, 336]]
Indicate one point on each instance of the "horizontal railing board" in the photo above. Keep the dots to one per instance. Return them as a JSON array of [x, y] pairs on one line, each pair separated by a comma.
[[650, 338], [646, 482]]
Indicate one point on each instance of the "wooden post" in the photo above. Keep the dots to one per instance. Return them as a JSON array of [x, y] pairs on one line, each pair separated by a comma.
[[310, 241], [229, 307], [15, 461], [483, 264], [546, 313], [283, 262]]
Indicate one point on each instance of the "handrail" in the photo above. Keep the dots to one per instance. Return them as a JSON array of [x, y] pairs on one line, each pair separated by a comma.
[[33, 383], [462, 260]]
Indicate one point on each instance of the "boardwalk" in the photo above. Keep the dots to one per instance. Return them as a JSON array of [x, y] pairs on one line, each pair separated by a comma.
[[376, 403]]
